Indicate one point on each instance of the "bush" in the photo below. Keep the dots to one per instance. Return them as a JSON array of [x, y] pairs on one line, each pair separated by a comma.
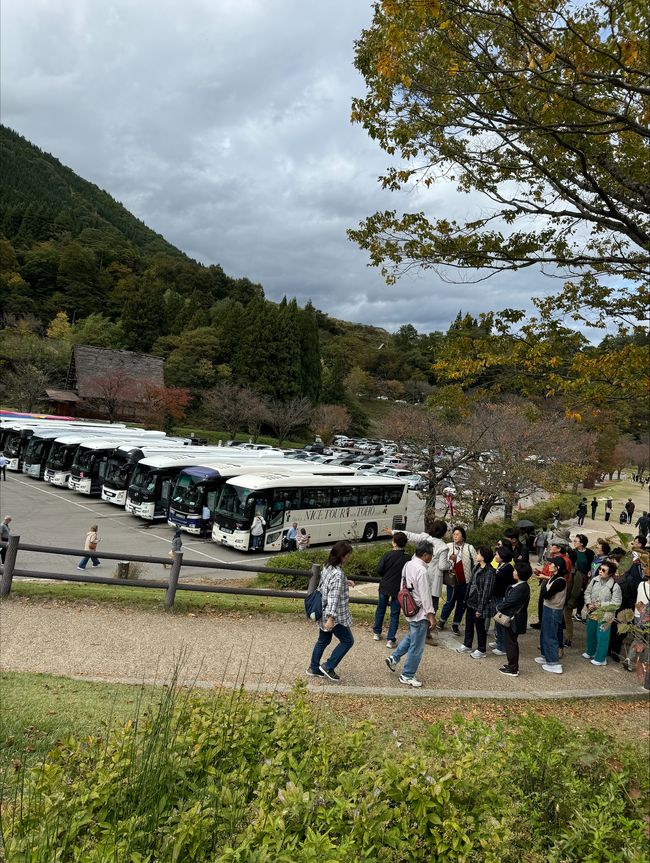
[[363, 562], [239, 780]]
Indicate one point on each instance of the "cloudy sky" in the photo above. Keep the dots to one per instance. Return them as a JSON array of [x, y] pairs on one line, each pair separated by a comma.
[[224, 125]]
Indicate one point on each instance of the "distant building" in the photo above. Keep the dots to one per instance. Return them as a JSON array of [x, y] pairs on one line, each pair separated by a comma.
[[105, 383]]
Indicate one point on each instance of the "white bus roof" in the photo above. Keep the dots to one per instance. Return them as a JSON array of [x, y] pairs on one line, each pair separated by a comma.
[[256, 481], [110, 442]]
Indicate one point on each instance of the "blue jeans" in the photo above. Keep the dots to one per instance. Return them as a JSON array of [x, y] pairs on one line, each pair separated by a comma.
[[346, 640], [83, 563], [455, 597], [499, 637], [382, 604], [551, 625], [413, 645]]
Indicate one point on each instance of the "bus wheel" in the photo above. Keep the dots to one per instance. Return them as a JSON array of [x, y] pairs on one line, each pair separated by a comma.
[[370, 532]]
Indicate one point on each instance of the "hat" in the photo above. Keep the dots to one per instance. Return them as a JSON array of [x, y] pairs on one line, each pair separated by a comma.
[[561, 536]]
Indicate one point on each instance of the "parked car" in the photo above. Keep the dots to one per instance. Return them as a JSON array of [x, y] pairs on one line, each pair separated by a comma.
[[416, 482]]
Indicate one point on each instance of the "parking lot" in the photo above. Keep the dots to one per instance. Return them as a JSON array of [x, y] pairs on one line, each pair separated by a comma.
[[46, 515]]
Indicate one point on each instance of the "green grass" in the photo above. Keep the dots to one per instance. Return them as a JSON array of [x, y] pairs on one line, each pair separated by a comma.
[[149, 599], [37, 710]]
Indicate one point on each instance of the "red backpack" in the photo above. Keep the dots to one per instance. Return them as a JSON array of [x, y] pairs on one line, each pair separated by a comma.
[[407, 603]]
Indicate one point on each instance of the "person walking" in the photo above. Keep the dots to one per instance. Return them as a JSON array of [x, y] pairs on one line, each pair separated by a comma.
[[389, 569], [5, 533], [602, 594], [415, 576], [257, 531], [554, 599], [480, 604], [594, 507], [609, 506], [582, 511], [461, 556], [515, 605], [630, 506], [439, 562], [336, 619], [643, 523], [4, 461], [91, 543]]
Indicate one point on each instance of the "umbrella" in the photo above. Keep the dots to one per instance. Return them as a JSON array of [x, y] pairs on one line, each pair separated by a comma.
[[524, 523]]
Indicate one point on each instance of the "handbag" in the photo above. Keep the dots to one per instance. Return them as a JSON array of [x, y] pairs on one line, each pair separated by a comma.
[[407, 603], [449, 577], [502, 619], [92, 546]]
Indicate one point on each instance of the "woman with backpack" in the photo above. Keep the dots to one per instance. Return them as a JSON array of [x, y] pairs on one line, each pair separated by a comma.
[[336, 619]]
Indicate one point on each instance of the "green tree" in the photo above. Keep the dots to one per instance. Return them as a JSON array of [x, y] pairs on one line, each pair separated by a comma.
[[541, 108], [99, 331]]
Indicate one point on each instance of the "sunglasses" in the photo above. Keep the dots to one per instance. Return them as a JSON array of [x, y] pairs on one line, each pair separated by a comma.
[[604, 569]]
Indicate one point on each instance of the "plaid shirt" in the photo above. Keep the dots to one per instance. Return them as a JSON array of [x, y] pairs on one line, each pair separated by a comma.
[[336, 596]]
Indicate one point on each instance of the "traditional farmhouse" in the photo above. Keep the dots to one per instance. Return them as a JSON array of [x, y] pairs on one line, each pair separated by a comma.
[[104, 383]]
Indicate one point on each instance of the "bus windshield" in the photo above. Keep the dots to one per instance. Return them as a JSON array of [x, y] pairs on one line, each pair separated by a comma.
[[144, 478], [12, 444], [58, 454], [34, 450], [188, 490], [117, 471], [233, 502], [84, 459]]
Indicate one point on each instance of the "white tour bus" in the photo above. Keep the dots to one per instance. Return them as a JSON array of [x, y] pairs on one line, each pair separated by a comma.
[[125, 458], [330, 508], [150, 492], [16, 437], [91, 460]]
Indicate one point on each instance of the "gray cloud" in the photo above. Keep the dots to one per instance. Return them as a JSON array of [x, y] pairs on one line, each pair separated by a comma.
[[224, 125]]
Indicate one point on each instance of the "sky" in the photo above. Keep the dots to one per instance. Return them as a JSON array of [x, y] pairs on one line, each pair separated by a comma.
[[225, 126]]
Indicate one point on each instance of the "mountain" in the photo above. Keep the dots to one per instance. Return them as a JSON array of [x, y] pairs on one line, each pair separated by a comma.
[[41, 198]]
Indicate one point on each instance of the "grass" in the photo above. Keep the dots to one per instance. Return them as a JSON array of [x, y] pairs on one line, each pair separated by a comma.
[[36, 710], [149, 599], [213, 437]]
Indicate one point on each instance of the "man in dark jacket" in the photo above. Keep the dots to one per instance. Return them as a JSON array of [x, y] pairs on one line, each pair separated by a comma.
[[390, 569], [643, 523], [520, 552], [629, 509]]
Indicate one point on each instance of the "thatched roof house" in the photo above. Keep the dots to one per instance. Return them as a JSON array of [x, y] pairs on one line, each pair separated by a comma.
[[110, 383]]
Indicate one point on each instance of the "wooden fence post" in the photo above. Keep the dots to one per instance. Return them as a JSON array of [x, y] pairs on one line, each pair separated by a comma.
[[174, 573], [10, 562], [315, 578]]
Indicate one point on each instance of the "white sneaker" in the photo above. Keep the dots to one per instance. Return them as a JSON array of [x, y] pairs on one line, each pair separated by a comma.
[[599, 664], [478, 655], [492, 644], [463, 649], [376, 637], [540, 660], [555, 668], [498, 652], [391, 645], [410, 681], [587, 656]]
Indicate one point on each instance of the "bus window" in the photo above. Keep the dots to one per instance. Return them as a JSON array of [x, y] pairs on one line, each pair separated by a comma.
[[391, 495], [345, 497], [165, 491], [211, 500], [314, 498], [284, 500]]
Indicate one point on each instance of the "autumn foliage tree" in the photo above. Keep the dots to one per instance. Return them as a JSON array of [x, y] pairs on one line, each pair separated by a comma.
[[327, 420], [163, 406]]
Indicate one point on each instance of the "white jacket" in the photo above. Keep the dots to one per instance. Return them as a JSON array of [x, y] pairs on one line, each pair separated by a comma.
[[439, 562], [468, 557]]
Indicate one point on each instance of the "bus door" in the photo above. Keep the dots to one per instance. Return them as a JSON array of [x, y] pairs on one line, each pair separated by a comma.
[[162, 504], [285, 501]]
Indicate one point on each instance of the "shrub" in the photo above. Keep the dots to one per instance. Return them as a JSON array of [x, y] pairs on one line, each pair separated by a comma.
[[240, 780]]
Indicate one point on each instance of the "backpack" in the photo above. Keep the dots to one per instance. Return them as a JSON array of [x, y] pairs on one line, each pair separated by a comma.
[[407, 603]]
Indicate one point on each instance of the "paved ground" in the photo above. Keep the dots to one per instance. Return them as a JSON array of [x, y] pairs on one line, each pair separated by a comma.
[[98, 641], [101, 642]]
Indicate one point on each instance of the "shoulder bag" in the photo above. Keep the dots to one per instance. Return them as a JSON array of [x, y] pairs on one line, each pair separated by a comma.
[[407, 603]]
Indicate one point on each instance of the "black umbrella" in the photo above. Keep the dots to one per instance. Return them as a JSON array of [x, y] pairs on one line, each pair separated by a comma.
[[524, 523]]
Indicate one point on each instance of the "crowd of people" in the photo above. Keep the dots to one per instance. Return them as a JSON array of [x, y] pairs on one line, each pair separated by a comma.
[[487, 590]]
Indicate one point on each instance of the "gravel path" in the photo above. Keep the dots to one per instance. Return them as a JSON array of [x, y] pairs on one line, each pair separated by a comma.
[[102, 642]]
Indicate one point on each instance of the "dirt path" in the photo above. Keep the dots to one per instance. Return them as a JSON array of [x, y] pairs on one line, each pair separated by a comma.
[[103, 642]]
